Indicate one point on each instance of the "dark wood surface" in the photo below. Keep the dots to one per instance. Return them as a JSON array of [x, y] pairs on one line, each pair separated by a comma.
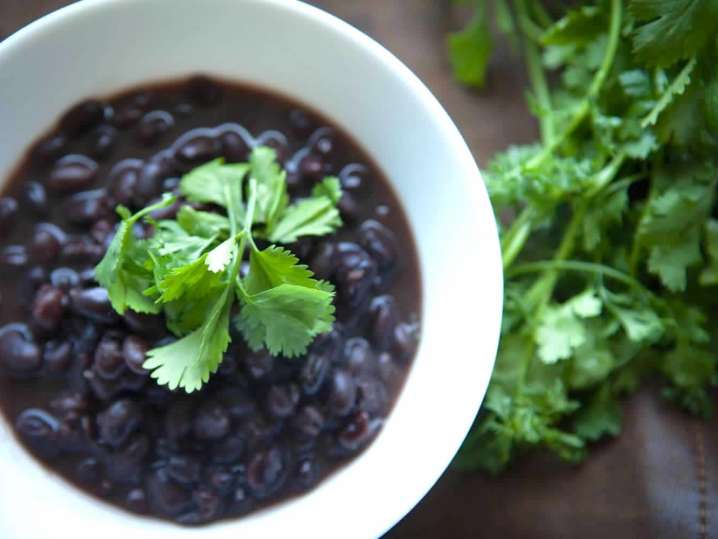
[[658, 480]]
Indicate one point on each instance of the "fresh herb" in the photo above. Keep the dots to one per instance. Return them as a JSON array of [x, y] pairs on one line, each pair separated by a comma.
[[190, 268], [609, 246]]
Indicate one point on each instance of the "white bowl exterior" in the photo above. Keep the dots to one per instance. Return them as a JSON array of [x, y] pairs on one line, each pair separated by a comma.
[[96, 47]]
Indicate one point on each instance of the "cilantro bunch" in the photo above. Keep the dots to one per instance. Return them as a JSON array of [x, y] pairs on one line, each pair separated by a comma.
[[610, 247], [189, 269]]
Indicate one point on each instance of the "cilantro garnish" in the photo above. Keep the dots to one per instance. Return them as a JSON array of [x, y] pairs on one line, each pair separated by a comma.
[[189, 268], [610, 251]]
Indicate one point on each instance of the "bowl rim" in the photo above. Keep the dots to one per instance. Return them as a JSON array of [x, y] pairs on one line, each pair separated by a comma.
[[472, 183]]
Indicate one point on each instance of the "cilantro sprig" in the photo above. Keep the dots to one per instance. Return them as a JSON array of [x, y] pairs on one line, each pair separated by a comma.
[[189, 269], [608, 237]]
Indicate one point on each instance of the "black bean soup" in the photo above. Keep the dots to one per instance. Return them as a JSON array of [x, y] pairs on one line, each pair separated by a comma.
[[264, 428]]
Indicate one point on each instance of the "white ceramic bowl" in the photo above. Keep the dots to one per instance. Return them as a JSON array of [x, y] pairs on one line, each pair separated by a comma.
[[97, 47]]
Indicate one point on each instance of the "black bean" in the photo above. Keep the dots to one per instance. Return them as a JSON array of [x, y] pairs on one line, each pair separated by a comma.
[[108, 361], [104, 140], [358, 355], [312, 167], [373, 397], [384, 316], [168, 212], [356, 433], [237, 402], [379, 242], [259, 364], [116, 423], [197, 149], [184, 109], [322, 264], [355, 273], [89, 471], [404, 341], [64, 278], [314, 373], [149, 182], [35, 196], [166, 496], [211, 422], [277, 141], [8, 214], [103, 231], [204, 91], [48, 307], [153, 126], [324, 143], [170, 185], [46, 244], [184, 469], [348, 208], [136, 500], [39, 430], [94, 304], [209, 504], [221, 480], [178, 420], [18, 352], [302, 124], [72, 173], [14, 256], [343, 393], [148, 325], [52, 148], [234, 148], [134, 350], [81, 250], [352, 176], [88, 206], [123, 179], [281, 400], [308, 422], [70, 405], [229, 450], [266, 472], [82, 117]]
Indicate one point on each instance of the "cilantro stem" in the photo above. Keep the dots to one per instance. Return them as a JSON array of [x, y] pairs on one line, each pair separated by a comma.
[[537, 77], [513, 241], [577, 266], [539, 11]]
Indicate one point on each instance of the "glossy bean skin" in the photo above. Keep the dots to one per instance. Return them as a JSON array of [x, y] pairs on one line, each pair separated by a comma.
[[72, 381]]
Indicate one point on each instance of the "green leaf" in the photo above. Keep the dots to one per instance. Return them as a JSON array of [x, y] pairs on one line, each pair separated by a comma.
[[709, 275], [578, 26], [188, 362], [204, 224], [330, 187], [470, 50], [315, 216], [676, 88], [193, 280], [275, 266], [560, 329], [285, 319], [600, 417], [272, 195], [117, 273], [208, 183], [673, 29]]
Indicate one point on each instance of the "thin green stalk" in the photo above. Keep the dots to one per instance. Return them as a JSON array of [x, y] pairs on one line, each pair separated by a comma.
[[576, 266], [513, 241]]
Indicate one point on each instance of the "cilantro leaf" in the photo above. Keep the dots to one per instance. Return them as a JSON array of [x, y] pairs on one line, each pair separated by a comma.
[[116, 271], [470, 49], [207, 183], [286, 318], [272, 196], [315, 216], [204, 224], [673, 29], [188, 362]]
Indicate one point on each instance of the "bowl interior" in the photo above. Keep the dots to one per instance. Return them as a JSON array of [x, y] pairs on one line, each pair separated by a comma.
[[97, 47]]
